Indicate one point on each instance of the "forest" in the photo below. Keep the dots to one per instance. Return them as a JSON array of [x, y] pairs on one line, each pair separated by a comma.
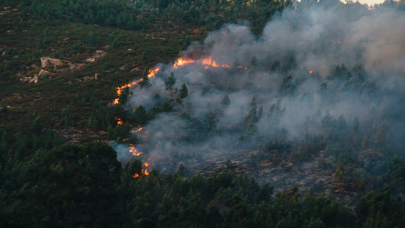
[[206, 113]]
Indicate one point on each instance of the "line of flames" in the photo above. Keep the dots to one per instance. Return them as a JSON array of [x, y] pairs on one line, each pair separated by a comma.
[[177, 63], [152, 73]]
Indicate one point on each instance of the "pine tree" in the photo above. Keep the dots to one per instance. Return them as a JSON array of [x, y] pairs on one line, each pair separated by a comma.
[[326, 123], [125, 93], [144, 83], [251, 117], [183, 93], [171, 80], [140, 115], [260, 112], [210, 124], [225, 101], [356, 126], [342, 125]]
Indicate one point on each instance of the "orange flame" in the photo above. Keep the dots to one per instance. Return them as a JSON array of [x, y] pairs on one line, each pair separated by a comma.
[[181, 62], [119, 121], [135, 175], [151, 73], [310, 71]]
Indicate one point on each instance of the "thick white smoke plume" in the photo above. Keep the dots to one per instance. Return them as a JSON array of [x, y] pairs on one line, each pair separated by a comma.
[[306, 44]]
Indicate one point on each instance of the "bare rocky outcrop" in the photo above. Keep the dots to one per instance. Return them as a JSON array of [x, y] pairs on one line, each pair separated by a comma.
[[76, 66], [90, 60], [47, 61], [97, 55], [43, 72]]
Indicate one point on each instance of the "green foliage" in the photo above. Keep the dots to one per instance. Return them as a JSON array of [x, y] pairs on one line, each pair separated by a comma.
[[144, 83], [125, 93]]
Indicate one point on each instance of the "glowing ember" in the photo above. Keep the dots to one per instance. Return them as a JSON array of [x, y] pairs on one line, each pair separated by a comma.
[[119, 121], [310, 71]]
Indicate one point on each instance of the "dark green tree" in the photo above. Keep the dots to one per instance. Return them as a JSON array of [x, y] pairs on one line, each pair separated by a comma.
[[183, 93], [171, 80], [225, 101], [144, 83], [125, 93]]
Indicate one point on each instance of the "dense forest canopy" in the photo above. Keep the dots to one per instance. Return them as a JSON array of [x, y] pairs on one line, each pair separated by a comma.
[[186, 98]]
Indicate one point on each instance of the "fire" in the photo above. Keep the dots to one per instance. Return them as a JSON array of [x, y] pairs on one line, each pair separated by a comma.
[[119, 121], [181, 62], [133, 150], [140, 129], [151, 73], [146, 172], [310, 71], [209, 62], [135, 175]]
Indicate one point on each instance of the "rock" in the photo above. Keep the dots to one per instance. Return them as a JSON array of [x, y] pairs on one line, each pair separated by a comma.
[[66, 40], [76, 66], [9, 31], [123, 67], [7, 8], [106, 46], [63, 70], [129, 49], [99, 54], [43, 72], [90, 60], [26, 79], [96, 76], [34, 79], [15, 57], [47, 61], [135, 69], [4, 53], [15, 10], [34, 66]]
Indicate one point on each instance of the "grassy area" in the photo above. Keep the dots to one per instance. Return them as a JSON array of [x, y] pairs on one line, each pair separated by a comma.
[[50, 96]]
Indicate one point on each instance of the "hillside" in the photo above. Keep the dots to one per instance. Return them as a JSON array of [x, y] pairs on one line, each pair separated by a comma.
[[121, 113]]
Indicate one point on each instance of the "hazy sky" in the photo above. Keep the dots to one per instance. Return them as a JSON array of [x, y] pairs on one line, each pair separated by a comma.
[[368, 2]]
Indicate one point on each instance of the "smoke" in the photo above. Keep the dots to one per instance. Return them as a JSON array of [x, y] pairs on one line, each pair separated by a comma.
[[306, 44]]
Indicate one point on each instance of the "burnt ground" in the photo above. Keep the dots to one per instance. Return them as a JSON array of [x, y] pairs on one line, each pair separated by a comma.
[[305, 175]]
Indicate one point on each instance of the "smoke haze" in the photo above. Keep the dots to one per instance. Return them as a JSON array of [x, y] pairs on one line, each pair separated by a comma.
[[291, 70]]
